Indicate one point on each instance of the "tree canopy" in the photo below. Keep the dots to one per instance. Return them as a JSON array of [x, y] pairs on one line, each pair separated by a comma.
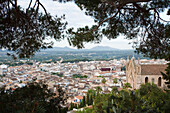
[[34, 97], [25, 31], [135, 19], [138, 20], [149, 98]]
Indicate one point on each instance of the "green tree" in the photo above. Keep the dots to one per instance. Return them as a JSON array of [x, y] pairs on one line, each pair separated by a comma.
[[149, 98], [91, 100], [58, 74], [80, 105], [98, 89], [131, 18], [114, 90], [88, 99], [127, 85], [166, 75], [123, 68], [75, 106], [71, 106], [85, 76], [155, 97], [34, 97], [115, 81], [23, 31], [92, 95], [103, 80], [84, 101]]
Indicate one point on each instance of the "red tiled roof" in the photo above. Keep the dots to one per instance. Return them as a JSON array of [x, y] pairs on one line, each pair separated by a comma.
[[154, 69], [79, 97], [13, 89]]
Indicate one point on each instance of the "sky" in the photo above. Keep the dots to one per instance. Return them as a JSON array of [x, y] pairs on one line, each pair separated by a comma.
[[77, 18]]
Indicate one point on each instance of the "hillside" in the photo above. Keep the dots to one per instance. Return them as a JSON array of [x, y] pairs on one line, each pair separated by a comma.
[[103, 48], [96, 48]]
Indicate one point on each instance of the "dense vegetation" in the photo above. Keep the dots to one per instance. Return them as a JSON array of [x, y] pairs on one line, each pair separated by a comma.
[[140, 20], [79, 76], [58, 74], [32, 98], [148, 99], [35, 97], [24, 31]]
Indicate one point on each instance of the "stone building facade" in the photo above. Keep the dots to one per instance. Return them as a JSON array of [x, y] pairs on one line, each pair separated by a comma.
[[138, 73]]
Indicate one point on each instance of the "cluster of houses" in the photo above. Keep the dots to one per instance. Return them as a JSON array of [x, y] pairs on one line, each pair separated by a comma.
[[77, 87]]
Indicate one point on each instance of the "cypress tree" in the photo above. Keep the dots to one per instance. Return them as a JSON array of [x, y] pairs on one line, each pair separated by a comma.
[[84, 101], [91, 100], [87, 102], [71, 106], [75, 106]]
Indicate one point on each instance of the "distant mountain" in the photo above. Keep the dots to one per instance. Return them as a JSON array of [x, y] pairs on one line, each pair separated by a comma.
[[96, 48], [103, 48], [63, 49]]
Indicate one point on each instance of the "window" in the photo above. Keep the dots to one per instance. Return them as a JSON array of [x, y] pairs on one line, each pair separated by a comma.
[[153, 80], [159, 81], [146, 80]]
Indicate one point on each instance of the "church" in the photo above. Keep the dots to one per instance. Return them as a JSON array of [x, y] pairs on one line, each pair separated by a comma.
[[147, 71]]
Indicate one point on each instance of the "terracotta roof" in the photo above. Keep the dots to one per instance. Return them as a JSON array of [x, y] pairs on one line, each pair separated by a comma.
[[79, 97], [13, 89], [154, 69], [9, 83], [104, 72], [11, 67]]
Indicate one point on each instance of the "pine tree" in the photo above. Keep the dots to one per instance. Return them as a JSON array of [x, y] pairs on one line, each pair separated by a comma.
[[34, 97], [166, 75]]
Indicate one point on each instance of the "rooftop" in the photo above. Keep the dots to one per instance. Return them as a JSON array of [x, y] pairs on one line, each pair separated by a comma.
[[152, 69]]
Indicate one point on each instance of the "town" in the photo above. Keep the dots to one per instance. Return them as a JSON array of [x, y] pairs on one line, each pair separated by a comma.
[[76, 79], [84, 56]]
